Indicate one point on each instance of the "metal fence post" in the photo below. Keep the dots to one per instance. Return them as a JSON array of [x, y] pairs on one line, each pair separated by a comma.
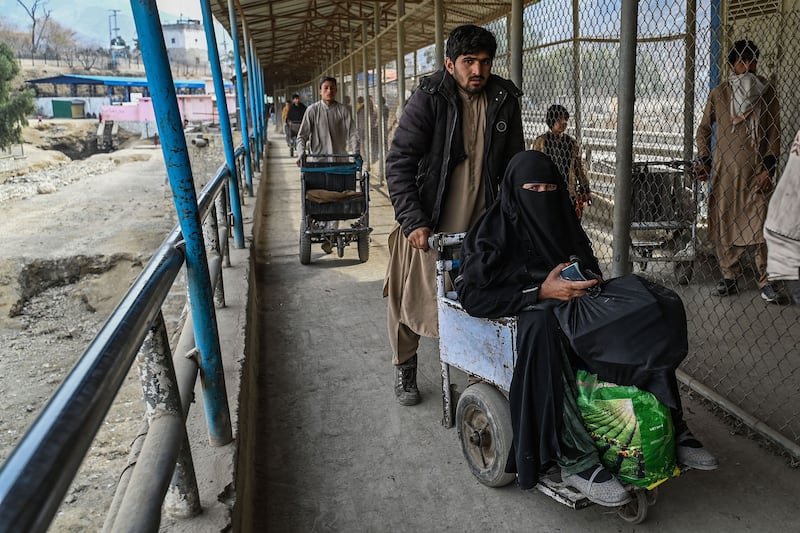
[[622, 184], [160, 391], [176, 159]]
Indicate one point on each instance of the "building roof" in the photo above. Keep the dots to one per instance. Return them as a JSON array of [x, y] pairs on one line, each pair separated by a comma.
[[117, 81]]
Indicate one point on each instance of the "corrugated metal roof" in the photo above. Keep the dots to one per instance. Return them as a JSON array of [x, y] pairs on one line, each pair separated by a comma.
[[115, 81], [295, 39]]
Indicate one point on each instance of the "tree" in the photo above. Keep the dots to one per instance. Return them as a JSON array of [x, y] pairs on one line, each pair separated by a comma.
[[14, 108], [59, 39], [40, 21], [87, 57]]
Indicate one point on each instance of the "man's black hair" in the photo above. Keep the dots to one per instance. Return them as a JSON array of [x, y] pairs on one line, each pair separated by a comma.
[[744, 50], [470, 39], [327, 78], [555, 112], [296, 95]]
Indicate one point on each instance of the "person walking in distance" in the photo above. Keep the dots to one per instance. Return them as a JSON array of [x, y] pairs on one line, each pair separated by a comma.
[[327, 128]]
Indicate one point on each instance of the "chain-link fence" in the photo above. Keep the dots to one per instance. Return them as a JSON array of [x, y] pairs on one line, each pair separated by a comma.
[[701, 238], [687, 234]]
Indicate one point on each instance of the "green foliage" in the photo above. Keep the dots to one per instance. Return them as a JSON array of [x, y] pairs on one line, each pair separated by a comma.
[[14, 107]]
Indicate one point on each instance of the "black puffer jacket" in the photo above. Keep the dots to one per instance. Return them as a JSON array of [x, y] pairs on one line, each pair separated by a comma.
[[428, 144]]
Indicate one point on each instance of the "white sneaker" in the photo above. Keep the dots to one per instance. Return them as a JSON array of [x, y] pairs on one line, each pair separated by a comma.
[[609, 493], [698, 458]]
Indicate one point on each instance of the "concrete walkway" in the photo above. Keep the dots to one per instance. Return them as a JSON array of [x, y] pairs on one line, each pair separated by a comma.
[[331, 450]]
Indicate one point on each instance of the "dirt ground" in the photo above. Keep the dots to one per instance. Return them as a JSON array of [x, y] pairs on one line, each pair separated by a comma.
[[76, 233]]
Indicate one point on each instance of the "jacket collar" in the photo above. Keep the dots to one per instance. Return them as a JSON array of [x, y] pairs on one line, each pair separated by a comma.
[[442, 82]]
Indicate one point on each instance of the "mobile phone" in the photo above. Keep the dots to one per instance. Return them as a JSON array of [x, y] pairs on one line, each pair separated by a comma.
[[572, 272]]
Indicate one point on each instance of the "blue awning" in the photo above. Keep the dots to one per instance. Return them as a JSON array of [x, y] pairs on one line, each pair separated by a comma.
[[117, 81]]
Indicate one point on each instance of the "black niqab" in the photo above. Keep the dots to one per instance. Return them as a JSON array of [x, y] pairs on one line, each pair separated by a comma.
[[525, 233]]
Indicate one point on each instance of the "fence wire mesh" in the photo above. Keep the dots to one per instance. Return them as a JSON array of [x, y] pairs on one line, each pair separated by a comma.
[[685, 233]]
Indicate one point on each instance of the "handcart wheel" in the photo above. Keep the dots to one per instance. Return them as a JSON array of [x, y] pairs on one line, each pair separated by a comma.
[[340, 245], [652, 496], [645, 253], [483, 420], [684, 271], [363, 247], [305, 245], [635, 512]]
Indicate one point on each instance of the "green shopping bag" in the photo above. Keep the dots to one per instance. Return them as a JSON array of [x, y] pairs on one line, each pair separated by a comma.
[[632, 429]]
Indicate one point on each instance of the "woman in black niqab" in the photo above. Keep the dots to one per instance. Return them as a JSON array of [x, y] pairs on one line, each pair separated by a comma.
[[521, 238], [511, 261]]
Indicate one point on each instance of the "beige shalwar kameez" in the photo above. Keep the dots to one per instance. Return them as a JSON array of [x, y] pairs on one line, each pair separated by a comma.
[[736, 208], [410, 281]]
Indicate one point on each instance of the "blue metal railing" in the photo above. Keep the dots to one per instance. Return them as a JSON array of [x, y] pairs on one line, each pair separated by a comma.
[[37, 474], [35, 477]]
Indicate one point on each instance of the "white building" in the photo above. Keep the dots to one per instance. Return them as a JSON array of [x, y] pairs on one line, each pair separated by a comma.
[[186, 43]]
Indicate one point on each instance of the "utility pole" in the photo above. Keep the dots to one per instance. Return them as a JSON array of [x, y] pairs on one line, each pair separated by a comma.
[[224, 55], [113, 33]]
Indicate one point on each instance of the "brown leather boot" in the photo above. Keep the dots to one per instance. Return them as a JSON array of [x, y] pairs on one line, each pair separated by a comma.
[[405, 387]]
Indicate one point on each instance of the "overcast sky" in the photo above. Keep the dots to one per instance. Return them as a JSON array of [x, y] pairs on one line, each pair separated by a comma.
[[93, 19]]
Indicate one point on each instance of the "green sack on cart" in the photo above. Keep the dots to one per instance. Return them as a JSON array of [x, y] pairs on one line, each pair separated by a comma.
[[632, 429]]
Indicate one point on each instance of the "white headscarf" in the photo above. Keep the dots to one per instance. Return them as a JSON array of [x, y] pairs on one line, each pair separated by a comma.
[[746, 91]]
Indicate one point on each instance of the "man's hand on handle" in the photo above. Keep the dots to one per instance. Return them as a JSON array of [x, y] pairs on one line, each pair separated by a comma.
[[419, 238]]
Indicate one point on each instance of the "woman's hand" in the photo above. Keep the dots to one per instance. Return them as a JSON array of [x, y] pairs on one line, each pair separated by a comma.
[[558, 288]]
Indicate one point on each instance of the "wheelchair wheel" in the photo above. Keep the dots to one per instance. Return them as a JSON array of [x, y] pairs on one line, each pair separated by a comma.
[[635, 512], [305, 245], [363, 247], [483, 420]]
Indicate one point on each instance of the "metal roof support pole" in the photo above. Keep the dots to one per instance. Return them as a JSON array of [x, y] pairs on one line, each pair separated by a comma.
[[576, 70], [179, 170], [515, 42], [438, 21], [353, 80], [365, 144], [251, 108], [401, 57], [224, 122], [688, 81], [262, 114], [258, 103], [262, 89], [248, 56], [248, 170], [380, 136], [620, 264], [341, 72]]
